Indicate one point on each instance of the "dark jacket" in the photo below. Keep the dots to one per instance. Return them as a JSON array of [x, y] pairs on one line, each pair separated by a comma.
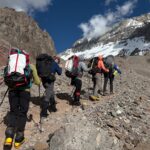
[[56, 69]]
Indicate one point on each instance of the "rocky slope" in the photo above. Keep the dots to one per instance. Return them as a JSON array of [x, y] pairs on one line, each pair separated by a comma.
[[116, 122], [128, 37], [19, 30]]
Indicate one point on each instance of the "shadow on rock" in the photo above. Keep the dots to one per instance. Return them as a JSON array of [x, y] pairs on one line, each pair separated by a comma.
[[64, 96], [36, 100]]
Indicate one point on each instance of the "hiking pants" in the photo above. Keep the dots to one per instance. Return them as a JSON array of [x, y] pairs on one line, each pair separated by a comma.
[[19, 105], [78, 85], [96, 83], [110, 77], [49, 97], [49, 93]]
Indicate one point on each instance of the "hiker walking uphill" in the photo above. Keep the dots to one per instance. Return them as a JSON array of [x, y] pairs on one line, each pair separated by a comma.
[[98, 68], [18, 76], [74, 70], [47, 68], [113, 71]]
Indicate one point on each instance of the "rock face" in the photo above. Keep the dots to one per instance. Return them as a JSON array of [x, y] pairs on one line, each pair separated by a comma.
[[4, 49], [19, 30]]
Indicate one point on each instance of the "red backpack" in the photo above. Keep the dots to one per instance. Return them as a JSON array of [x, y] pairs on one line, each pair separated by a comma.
[[72, 66]]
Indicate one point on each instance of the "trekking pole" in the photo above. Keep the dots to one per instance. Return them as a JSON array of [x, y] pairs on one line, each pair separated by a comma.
[[120, 79], [90, 76], [92, 63], [1, 81], [4, 97], [40, 125], [1, 121], [89, 86], [39, 91], [30, 118], [101, 83]]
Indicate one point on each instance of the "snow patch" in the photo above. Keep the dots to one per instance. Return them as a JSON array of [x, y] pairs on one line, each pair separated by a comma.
[[134, 23], [111, 48]]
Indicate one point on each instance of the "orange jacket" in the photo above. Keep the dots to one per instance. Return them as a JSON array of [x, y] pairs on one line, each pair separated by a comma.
[[101, 64]]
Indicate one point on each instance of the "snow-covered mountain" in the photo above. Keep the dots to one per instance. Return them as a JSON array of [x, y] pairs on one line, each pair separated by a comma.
[[129, 37]]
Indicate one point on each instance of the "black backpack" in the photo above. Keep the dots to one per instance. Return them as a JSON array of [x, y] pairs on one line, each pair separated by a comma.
[[44, 63], [93, 64]]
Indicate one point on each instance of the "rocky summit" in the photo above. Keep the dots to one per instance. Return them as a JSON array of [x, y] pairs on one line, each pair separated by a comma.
[[117, 122], [17, 29], [129, 37]]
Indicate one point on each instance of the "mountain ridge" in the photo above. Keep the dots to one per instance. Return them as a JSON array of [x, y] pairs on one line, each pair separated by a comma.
[[122, 39]]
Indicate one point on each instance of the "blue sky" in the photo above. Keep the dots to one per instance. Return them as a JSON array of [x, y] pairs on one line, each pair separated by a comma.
[[68, 20]]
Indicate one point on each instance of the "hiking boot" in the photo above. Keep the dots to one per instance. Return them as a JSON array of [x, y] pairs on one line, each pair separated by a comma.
[[52, 108], [9, 137], [44, 108], [19, 140], [44, 112], [111, 93], [94, 98], [105, 93], [18, 144], [44, 115], [76, 103], [8, 142]]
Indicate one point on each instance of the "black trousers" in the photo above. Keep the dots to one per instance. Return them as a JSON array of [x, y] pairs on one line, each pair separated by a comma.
[[78, 85], [110, 77], [19, 105]]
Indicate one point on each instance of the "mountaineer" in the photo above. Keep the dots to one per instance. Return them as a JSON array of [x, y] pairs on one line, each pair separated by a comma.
[[98, 68], [47, 67], [18, 76], [74, 69], [113, 71]]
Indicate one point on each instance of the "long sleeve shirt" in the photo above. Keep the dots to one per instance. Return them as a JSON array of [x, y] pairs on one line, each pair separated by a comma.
[[82, 68], [102, 66], [56, 69]]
